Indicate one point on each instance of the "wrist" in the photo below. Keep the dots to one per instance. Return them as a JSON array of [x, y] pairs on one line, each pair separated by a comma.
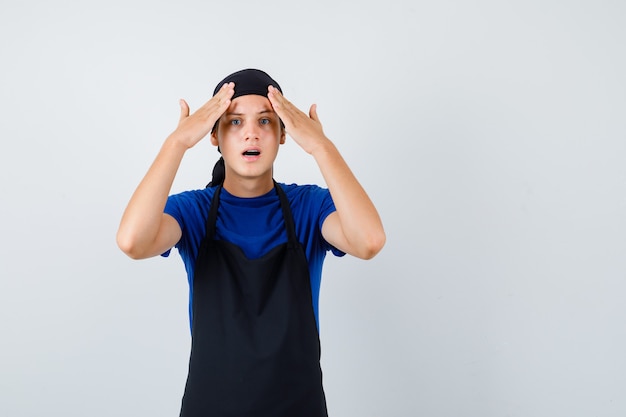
[[324, 146], [177, 141]]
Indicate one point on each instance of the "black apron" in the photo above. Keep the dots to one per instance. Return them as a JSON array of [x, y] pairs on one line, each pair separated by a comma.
[[255, 348]]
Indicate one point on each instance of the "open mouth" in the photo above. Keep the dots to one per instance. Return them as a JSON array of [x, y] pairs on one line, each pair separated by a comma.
[[252, 152]]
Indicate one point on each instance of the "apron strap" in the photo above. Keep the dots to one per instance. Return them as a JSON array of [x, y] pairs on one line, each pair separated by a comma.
[[212, 217], [284, 204], [289, 223]]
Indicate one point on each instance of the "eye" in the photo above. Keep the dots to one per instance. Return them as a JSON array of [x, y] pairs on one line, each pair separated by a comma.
[[235, 122], [265, 121]]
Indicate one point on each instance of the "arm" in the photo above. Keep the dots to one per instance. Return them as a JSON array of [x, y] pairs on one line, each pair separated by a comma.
[[144, 230], [355, 227]]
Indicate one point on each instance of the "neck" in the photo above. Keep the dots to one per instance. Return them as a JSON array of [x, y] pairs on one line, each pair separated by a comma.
[[248, 187]]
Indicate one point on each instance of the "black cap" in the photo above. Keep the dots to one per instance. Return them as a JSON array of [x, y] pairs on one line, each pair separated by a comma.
[[248, 81]]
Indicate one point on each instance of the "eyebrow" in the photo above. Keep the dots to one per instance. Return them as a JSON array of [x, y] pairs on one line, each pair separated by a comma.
[[241, 114]]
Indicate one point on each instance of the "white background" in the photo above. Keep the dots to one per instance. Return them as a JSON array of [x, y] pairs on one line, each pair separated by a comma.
[[490, 134]]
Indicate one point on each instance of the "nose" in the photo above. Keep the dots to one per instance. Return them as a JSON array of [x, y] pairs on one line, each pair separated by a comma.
[[252, 131]]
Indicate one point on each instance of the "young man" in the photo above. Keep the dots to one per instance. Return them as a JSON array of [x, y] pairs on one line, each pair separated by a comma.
[[253, 248]]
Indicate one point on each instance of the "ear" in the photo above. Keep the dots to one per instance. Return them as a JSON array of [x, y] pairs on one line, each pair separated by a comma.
[[282, 136], [214, 140]]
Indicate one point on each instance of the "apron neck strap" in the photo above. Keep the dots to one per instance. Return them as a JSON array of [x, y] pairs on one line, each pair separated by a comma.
[[284, 204], [289, 223], [211, 220]]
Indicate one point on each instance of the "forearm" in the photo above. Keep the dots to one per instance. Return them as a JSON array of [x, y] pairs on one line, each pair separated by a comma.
[[360, 223], [142, 218]]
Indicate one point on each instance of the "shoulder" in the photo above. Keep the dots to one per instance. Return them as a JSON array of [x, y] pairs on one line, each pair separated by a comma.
[[200, 197], [311, 199], [306, 192], [200, 194], [187, 205]]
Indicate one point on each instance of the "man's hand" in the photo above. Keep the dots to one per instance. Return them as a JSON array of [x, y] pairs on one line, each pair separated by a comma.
[[192, 128], [305, 130]]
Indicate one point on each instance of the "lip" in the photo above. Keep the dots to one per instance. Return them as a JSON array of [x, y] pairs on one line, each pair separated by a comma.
[[251, 157]]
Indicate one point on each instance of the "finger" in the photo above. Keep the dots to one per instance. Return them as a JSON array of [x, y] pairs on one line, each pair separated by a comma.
[[184, 109], [275, 97], [217, 105], [273, 90], [226, 91], [283, 107], [313, 113], [272, 95], [224, 95]]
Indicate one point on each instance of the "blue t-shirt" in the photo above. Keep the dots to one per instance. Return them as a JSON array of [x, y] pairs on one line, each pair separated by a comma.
[[256, 225]]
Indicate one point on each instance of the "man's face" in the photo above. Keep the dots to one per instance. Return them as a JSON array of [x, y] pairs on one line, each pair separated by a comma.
[[248, 135]]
